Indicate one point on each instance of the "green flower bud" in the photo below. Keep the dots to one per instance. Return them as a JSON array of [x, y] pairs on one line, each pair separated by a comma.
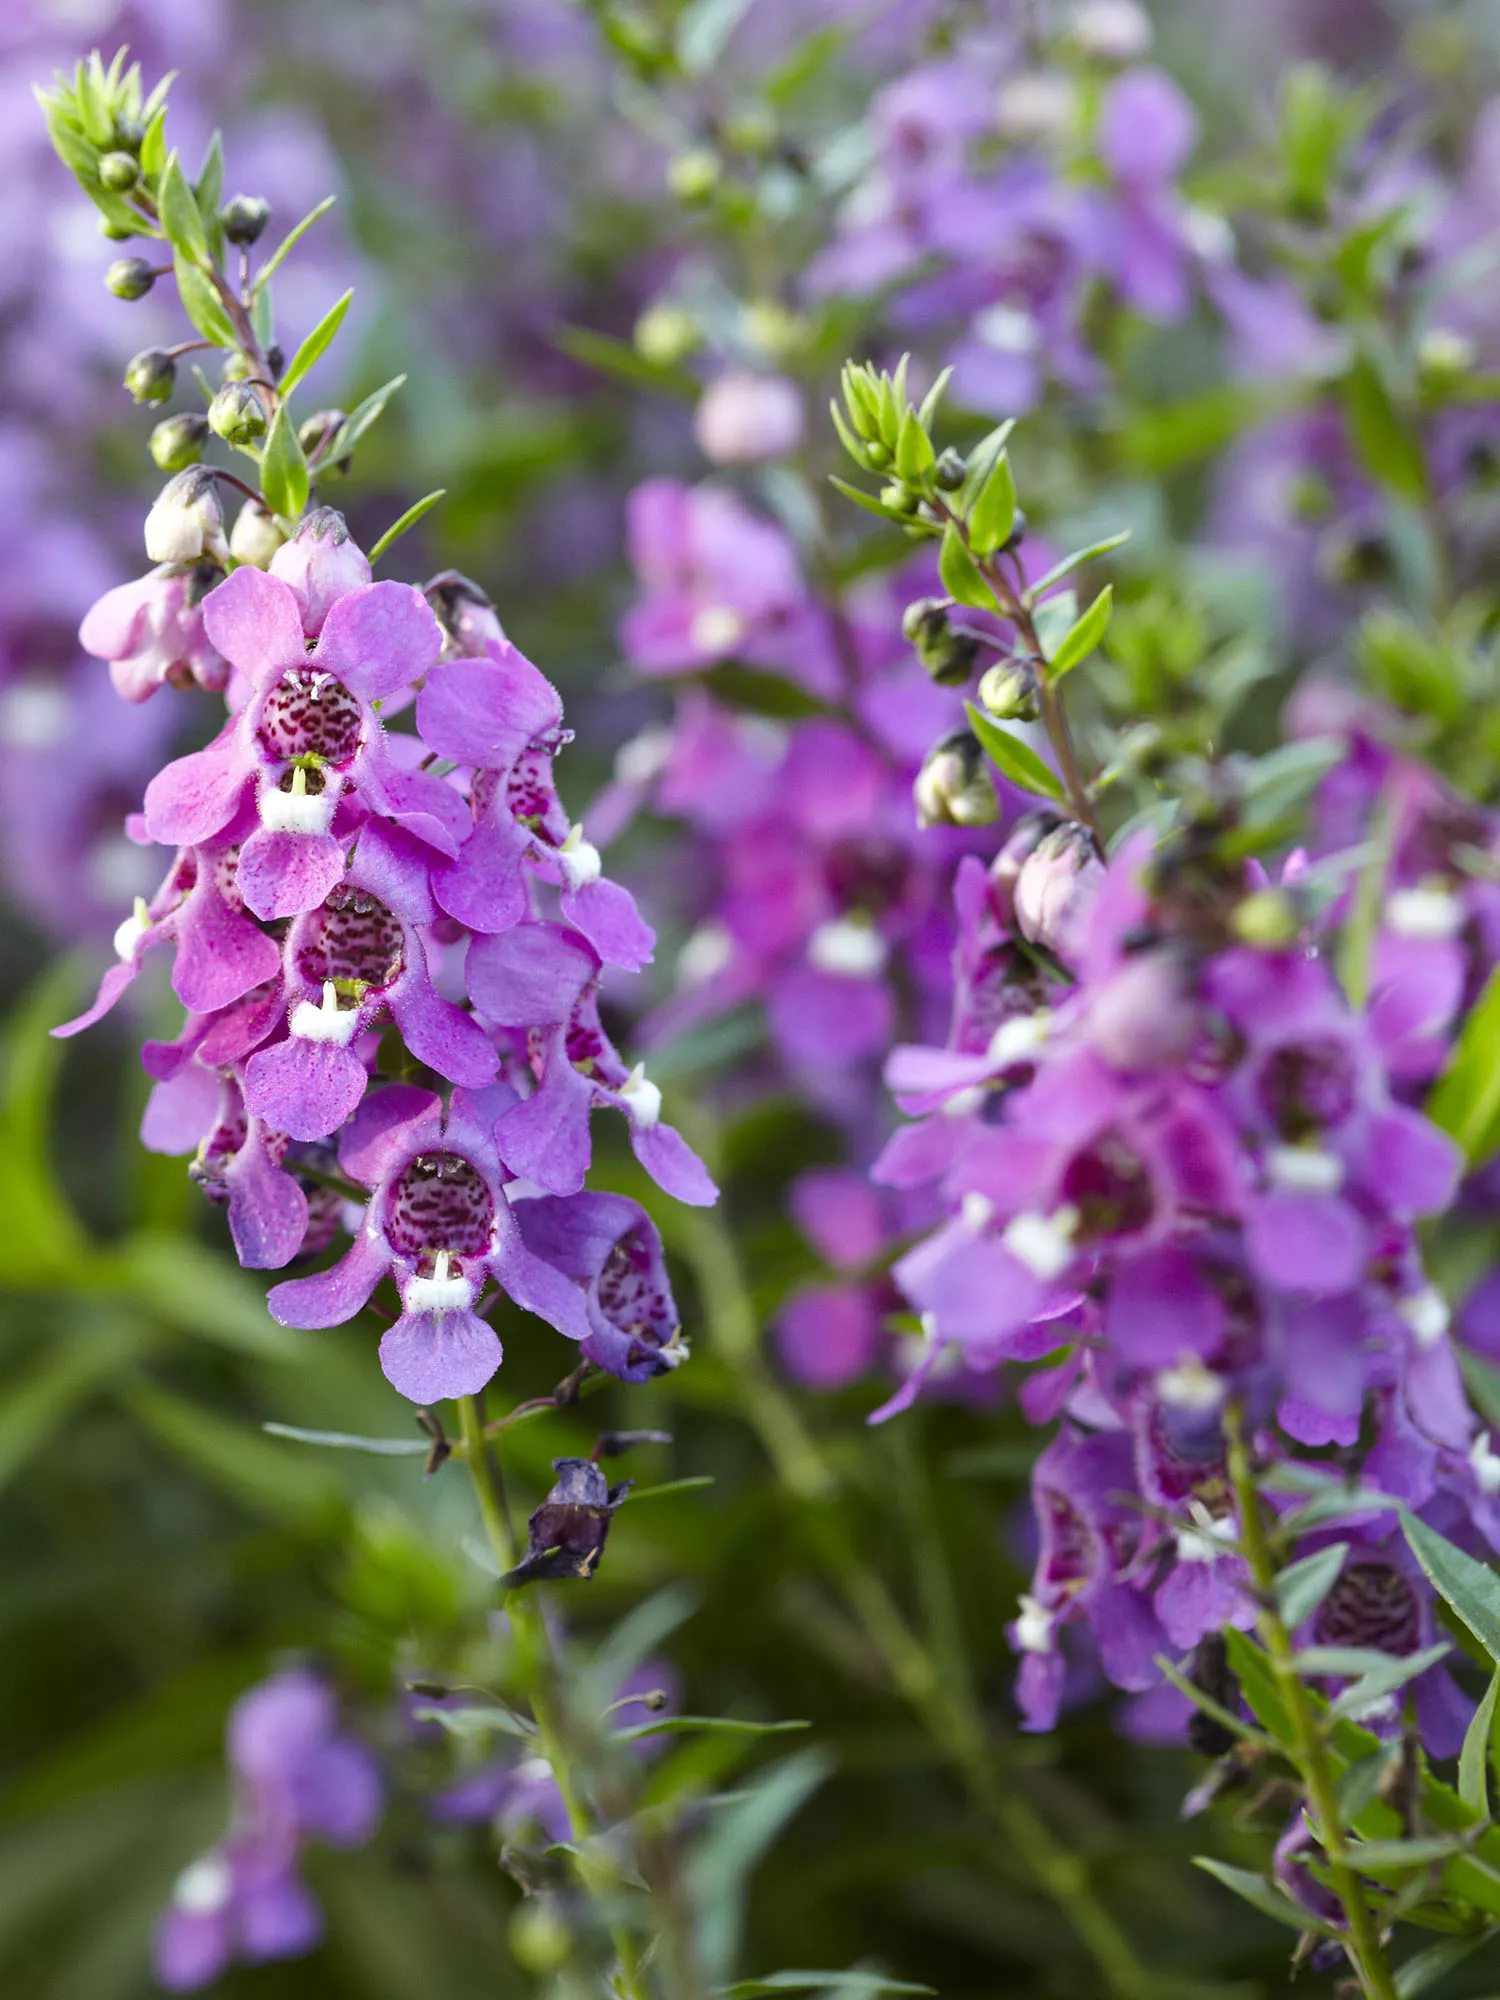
[[899, 497], [1266, 920], [255, 537], [1444, 358], [115, 232], [539, 1936], [314, 435], [774, 330], [119, 172], [238, 367], [129, 278], [954, 787], [877, 455], [243, 218], [150, 374], [693, 176], [237, 414], [751, 129], [666, 334], [177, 442], [1008, 690], [950, 471]]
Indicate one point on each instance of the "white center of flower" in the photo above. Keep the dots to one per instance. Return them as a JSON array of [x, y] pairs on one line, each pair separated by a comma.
[[1191, 1386], [1043, 1243], [440, 1293], [1429, 914], [848, 949], [643, 757], [716, 629], [1007, 329], [130, 933], [299, 810], [580, 860], [1034, 1627], [642, 1098], [977, 1210], [327, 1022], [1206, 1540], [204, 1887], [1304, 1170], [1426, 1313], [705, 955], [1019, 1039], [1486, 1464]]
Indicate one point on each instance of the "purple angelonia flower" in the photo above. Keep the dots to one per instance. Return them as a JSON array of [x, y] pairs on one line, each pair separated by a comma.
[[152, 634]]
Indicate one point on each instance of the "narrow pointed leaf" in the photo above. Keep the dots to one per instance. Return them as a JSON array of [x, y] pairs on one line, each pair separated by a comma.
[[1066, 567], [283, 469], [179, 213], [1077, 644], [1470, 1587], [1474, 1758], [346, 1441], [960, 574], [316, 344], [993, 514], [292, 237], [1262, 1895], [202, 303], [1015, 759], [1301, 1587], [359, 420]]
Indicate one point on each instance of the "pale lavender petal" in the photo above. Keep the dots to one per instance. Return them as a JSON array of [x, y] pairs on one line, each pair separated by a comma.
[[485, 887], [255, 621], [306, 1089], [379, 639], [190, 1950], [377, 1131], [197, 796], [415, 800], [673, 1165], [1159, 1309], [546, 1138], [607, 916], [539, 1287], [333, 1296], [282, 874], [267, 1209], [1305, 1243], [180, 1110], [529, 976], [278, 1917], [485, 712], [397, 868], [220, 953], [339, 1792], [427, 1356], [828, 1336], [441, 1035], [111, 986]]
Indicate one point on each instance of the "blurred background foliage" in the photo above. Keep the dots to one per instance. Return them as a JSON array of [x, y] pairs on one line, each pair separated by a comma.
[[160, 1547]]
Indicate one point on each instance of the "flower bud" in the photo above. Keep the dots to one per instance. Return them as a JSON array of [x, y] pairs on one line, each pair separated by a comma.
[[116, 232], [950, 471], [1008, 690], [539, 1936], [322, 563], [693, 176], [314, 435], [238, 367], [256, 537], [1266, 920], [119, 172], [773, 329], [744, 418], [244, 217], [467, 616], [899, 497], [237, 414], [1025, 836], [1143, 1017], [1444, 357], [1111, 31], [954, 787], [177, 442], [947, 655], [129, 278], [666, 334], [150, 374], [1056, 886], [185, 520]]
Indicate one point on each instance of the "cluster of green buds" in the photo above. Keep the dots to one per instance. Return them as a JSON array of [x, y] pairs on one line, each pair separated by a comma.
[[113, 138]]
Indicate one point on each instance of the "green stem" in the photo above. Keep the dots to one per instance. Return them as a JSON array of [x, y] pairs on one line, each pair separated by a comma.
[[539, 1680], [1310, 1750], [943, 1702]]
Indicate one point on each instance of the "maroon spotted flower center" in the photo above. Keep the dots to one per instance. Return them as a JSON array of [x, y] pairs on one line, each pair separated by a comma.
[[1070, 1544], [311, 714], [1371, 1604], [441, 1202], [632, 1295], [353, 937], [1309, 1087], [1110, 1187]]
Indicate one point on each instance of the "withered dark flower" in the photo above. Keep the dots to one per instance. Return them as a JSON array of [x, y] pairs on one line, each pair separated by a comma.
[[566, 1534]]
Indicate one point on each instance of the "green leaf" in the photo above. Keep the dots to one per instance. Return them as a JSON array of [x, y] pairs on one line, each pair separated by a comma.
[[993, 514], [928, 409], [1082, 638], [43, 1239], [1474, 1758], [1284, 779], [1357, 942], [210, 185], [1302, 1586], [868, 501], [852, 1985], [1015, 759], [38, 1401], [618, 359], [196, 1291], [283, 468], [1054, 618], [478, 1720], [667, 1486], [960, 573], [202, 303], [914, 454], [409, 519], [1360, 1785], [1380, 1681], [981, 462], [316, 344], [1262, 1895], [359, 420], [262, 316], [1465, 1102], [758, 692], [718, 1870], [1258, 1685], [179, 213], [1226, 1719], [1414, 1978], [1383, 1856], [1471, 1588], [724, 1725], [273, 263], [347, 1441], [1387, 446], [154, 145], [253, 1471]]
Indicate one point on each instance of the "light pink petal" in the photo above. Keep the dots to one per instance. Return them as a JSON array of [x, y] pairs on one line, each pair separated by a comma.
[[306, 1089], [379, 639], [197, 796], [255, 621], [282, 874]]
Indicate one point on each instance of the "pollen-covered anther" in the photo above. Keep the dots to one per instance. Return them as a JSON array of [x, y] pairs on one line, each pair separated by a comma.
[[128, 937], [296, 809], [1043, 1243], [443, 1292], [325, 1021], [642, 1098], [1304, 1170], [580, 859]]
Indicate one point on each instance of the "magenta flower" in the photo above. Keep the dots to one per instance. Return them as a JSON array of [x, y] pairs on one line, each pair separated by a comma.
[[439, 1223], [309, 740], [322, 564], [152, 634], [610, 1248]]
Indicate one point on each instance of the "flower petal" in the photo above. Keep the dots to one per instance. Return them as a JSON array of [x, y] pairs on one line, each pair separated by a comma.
[[429, 1356], [379, 639]]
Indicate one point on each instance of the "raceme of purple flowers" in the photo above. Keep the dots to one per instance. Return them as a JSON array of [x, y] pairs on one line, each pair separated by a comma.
[[336, 884]]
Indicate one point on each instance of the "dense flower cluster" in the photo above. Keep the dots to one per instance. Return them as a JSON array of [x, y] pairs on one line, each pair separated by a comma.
[[325, 880]]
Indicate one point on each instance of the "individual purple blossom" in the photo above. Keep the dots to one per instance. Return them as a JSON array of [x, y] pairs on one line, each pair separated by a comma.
[[439, 1223], [297, 1777], [611, 1249], [744, 418], [152, 634], [322, 563]]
